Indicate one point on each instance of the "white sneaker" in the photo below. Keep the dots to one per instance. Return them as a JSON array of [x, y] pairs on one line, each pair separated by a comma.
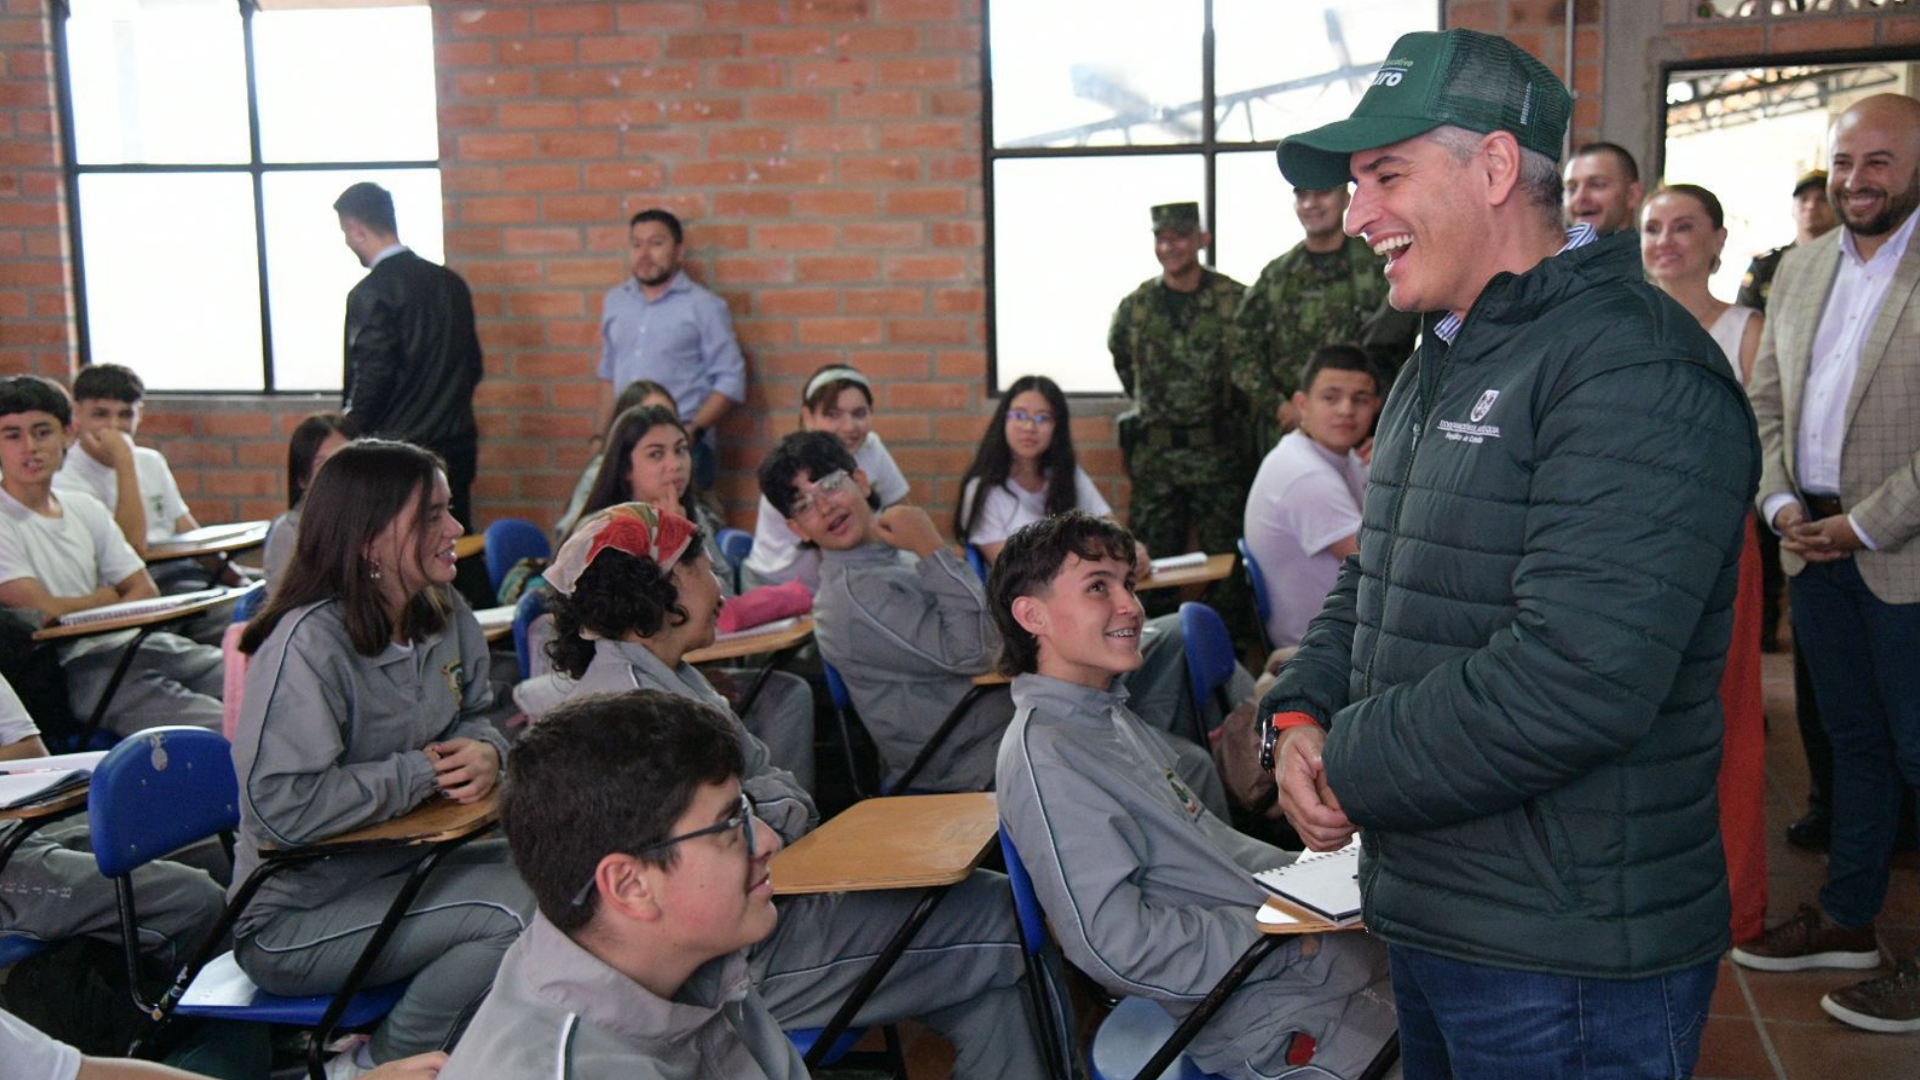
[[348, 1064]]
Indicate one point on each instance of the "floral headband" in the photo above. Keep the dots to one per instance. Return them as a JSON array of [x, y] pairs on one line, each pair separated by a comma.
[[635, 528]]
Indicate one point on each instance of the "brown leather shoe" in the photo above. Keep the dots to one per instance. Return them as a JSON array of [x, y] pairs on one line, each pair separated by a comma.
[[1890, 1003], [1808, 940]]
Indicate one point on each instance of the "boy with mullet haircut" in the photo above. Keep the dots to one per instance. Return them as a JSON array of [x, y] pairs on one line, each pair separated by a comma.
[[1148, 892], [627, 820]]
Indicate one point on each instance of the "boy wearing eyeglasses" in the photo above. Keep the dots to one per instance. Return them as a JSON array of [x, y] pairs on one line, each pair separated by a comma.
[[626, 818], [1147, 891], [898, 613]]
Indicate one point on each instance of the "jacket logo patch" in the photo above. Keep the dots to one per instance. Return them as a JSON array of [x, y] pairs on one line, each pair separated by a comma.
[[1484, 405], [452, 671]]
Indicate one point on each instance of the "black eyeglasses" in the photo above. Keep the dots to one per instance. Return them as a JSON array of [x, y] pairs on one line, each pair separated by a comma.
[[742, 819]]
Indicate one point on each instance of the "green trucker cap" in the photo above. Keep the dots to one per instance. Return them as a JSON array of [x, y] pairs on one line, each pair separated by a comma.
[[1460, 77]]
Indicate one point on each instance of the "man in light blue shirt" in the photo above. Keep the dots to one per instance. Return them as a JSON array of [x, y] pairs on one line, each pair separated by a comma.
[[661, 325]]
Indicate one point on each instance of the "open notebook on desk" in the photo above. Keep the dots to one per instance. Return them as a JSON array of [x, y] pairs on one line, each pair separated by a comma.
[[127, 608], [1326, 883], [30, 780]]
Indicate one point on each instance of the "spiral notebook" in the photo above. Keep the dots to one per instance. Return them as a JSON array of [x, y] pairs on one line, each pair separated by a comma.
[[1326, 883]]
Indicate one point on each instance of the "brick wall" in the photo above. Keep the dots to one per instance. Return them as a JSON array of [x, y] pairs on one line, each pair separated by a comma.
[[826, 157]]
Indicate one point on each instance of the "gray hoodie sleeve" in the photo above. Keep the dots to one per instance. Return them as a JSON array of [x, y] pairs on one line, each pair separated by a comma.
[[778, 799], [942, 629]]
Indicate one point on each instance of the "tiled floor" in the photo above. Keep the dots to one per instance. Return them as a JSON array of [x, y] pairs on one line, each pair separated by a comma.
[[1769, 1026]]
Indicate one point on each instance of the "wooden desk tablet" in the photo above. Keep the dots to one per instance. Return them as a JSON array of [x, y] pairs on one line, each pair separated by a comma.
[[1302, 920], [62, 631], [734, 648], [899, 842], [1216, 568], [29, 818], [210, 540], [435, 821], [495, 622], [470, 545], [991, 678]]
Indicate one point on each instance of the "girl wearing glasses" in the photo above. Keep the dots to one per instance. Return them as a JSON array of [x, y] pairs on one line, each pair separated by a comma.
[[837, 399], [1025, 470], [366, 696]]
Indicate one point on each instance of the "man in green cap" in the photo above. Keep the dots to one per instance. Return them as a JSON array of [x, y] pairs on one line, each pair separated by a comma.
[[1511, 690], [1326, 290], [1185, 438]]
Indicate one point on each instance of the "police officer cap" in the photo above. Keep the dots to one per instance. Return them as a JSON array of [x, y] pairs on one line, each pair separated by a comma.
[[1181, 217], [1810, 178]]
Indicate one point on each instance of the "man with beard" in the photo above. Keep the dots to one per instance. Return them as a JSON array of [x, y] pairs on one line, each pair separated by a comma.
[[660, 325], [1602, 188], [1835, 389]]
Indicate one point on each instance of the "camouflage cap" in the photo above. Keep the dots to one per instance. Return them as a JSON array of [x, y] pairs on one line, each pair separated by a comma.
[[1460, 77], [1810, 178], [1181, 217]]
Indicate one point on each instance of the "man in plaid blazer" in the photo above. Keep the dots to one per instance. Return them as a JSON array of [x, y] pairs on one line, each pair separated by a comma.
[[1836, 390]]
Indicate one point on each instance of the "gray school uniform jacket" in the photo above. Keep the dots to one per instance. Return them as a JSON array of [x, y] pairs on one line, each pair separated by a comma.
[[1147, 891], [329, 740], [908, 635], [557, 1011], [778, 799]]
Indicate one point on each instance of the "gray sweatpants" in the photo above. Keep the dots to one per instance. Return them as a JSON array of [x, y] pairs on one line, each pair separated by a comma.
[[469, 911], [51, 890], [782, 717], [171, 681], [962, 976], [1333, 987]]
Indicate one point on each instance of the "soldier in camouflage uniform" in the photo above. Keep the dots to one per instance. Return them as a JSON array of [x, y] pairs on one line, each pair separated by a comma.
[[1184, 438], [1812, 219], [1328, 289]]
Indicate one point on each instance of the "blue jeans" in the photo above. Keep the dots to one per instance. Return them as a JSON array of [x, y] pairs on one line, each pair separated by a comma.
[[1477, 1022], [1864, 656]]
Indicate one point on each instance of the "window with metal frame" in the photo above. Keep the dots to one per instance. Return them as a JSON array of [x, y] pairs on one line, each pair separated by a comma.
[[1098, 111], [205, 142]]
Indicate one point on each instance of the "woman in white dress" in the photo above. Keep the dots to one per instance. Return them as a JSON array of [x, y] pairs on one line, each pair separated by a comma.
[[1682, 231]]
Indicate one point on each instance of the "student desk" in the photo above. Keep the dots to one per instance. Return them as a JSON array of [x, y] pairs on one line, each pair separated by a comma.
[[146, 624], [470, 545], [210, 540], [436, 821], [495, 622], [33, 815], [783, 644], [1217, 567], [929, 842]]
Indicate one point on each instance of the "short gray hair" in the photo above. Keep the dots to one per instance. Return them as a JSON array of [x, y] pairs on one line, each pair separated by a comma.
[[1539, 174]]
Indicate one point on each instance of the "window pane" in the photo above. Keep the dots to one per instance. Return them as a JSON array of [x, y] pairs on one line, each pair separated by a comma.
[[346, 84], [157, 81], [1071, 237], [1256, 222], [309, 269], [172, 278], [1280, 68], [1120, 73]]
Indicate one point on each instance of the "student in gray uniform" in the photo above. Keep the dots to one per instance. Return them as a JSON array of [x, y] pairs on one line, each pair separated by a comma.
[[1147, 891], [317, 438], [51, 890], [627, 814], [906, 622], [364, 698], [634, 593]]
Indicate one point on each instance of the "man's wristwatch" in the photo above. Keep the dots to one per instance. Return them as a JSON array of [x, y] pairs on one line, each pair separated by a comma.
[[1269, 740]]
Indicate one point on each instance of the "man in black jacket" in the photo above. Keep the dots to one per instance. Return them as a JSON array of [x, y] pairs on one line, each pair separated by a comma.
[[1511, 690], [412, 356]]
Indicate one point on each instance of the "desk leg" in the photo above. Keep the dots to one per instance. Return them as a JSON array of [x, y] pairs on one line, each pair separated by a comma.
[[869, 982], [21, 830], [113, 686], [1203, 1012], [974, 693], [759, 683]]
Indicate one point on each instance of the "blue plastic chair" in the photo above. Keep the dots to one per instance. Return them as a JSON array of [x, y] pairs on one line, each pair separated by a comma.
[[1032, 924], [508, 541], [15, 948], [531, 605], [843, 710], [843, 716], [1209, 650], [156, 792], [737, 546], [248, 604], [978, 561], [1257, 581]]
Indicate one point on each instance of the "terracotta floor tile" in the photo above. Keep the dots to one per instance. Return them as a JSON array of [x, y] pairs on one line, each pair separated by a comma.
[[1795, 995], [1727, 998], [1730, 1050], [1833, 1050]]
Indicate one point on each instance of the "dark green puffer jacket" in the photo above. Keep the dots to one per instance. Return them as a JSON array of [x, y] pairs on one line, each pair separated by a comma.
[[1520, 669]]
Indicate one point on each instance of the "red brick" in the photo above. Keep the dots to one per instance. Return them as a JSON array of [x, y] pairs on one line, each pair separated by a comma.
[[581, 332], [793, 237], [618, 49], [473, 241], [492, 22], [579, 82], [757, 332], [495, 394], [542, 365], [949, 331], [735, 270], [834, 203], [536, 114], [234, 482], [705, 46], [470, 114], [701, 110], [884, 170], [831, 11], [538, 51], [699, 173], [514, 84], [580, 144], [743, 13], [452, 54], [786, 107], [232, 425], [582, 207], [518, 210], [832, 138], [495, 147], [839, 331], [658, 15], [750, 141], [660, 143], [789, 43], [927, 201], [540, 241], [746, 76], [594, 273], [955, 167], [924, 137], [881, 234], [790, 171], [926, 268], [935, 71], [546, 304], [618, 112], [863, 268], [1820, 35], [540, 178], [797, 302], [886, 301], [573, 19], [870, 40], [878, 105], [964, 234], [959, 37], [963, 103], [622, 177], [960, 301], [918, 10], [825, 74]]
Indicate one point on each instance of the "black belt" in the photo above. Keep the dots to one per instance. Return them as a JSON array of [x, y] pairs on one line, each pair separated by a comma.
[[1822, 506]]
